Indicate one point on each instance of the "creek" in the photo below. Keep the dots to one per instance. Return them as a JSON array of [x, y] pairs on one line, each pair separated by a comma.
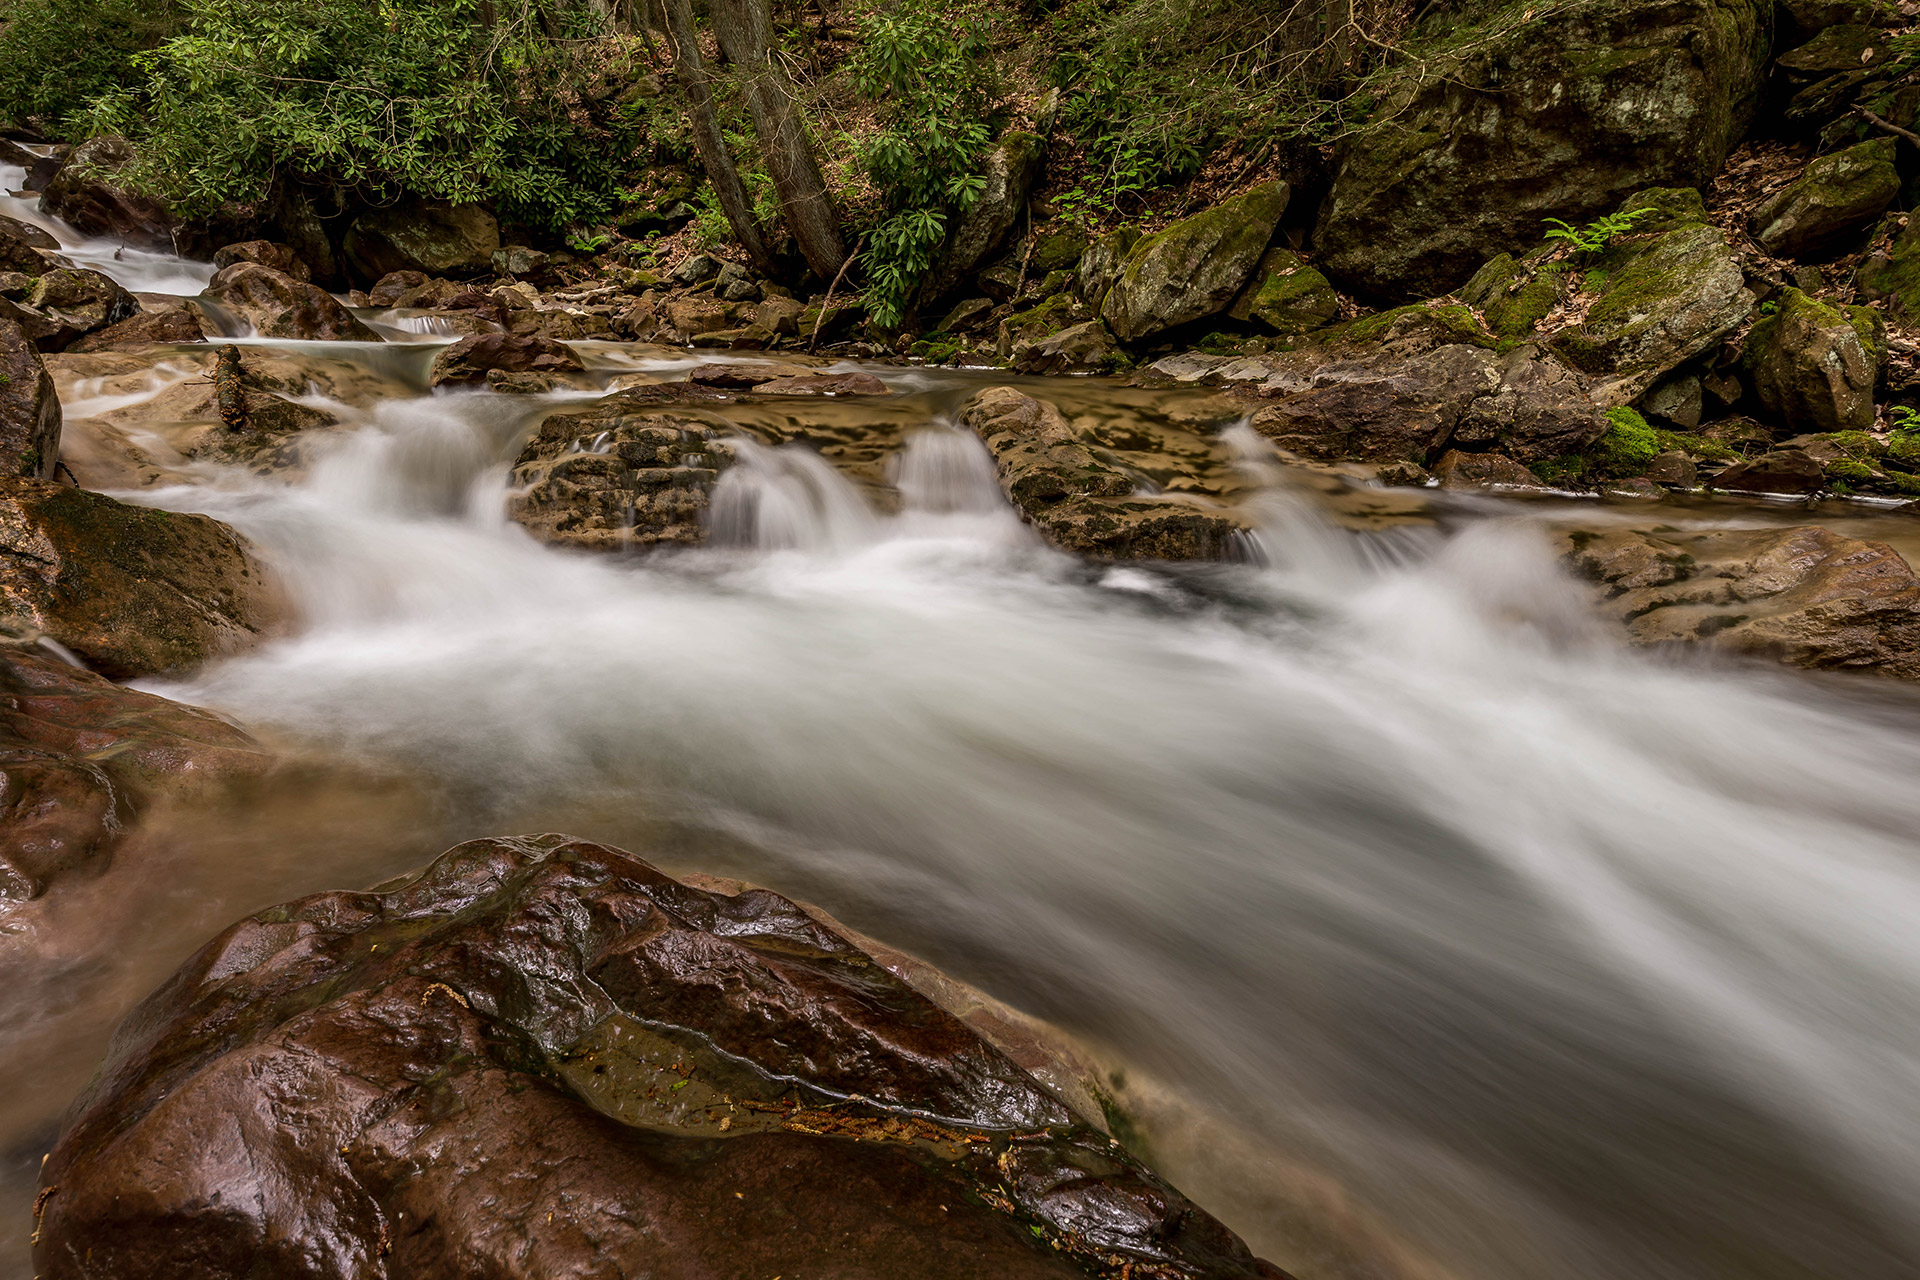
[[1430, 932]]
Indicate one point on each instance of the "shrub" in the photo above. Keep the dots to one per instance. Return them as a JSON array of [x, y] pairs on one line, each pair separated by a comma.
[[927, 67], [56, 56], [408, 97]]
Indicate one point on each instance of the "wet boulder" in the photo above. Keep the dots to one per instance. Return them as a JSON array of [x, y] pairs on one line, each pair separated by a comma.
[[80, 757], [1461, 470], [1813, 366], [85, 194], [279, 306], [1078, 497], [1775, 471], [822, 384], [29, 408], [1086, 347], [1656, 302], [1830, 203], [75, 303], [542, 1056], [1286, 295], [132, 590], [390, 288], [1195, 268], [468, 361], [1805, 596], [21, 244], [1528, 118], [431, 237], [144, 328], [1010, 170], [281, 257], [620, 475]]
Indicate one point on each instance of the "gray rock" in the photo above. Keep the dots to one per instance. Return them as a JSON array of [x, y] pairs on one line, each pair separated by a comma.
[[433, 237], [1679, 400], [1194, 268], [1081, 348], [1010, 170], [29, 408], [85, 194], [1830, 203], [698, 269], [1813, 366], [1472, 147]]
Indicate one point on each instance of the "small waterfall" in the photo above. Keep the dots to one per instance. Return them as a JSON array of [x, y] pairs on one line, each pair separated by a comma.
[[136, 270], [944, 471], [789, 498]]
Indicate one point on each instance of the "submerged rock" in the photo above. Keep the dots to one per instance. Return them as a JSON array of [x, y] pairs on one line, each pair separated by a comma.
[[29, 408], [1078, 499], [1805, 595], [1194, 268], [279, 306], [617, 476], [543, 1056], [80, 756], [132, 590], [1528, 118]]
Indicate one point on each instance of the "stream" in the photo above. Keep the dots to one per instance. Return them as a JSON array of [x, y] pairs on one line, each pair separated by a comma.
[[1430, 932]]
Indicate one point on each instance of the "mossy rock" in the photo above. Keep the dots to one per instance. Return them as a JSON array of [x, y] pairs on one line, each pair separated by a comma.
[[1287, 295], [1830, 203], [1893, 277], [1814, 366], [1195, 268], [1664, 208], [1058, 251], [1514, 296], [1443, 325]]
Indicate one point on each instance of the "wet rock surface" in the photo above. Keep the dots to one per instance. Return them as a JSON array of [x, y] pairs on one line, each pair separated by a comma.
[[470, 360], [30, 418], [1805, 595], [545, 1056], [132, 590], [79, 757], [618, 476], [1076, 495], [85, 194], [279, 306], [139, 330]]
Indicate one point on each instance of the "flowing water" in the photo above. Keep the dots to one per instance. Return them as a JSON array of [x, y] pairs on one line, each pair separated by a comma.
[[1465, 942]]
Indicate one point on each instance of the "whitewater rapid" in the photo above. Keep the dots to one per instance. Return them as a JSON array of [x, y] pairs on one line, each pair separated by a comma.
[[1562, 961]]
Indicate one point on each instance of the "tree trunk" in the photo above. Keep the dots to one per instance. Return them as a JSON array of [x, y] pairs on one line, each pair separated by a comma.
[[690, 69], [745, 28]]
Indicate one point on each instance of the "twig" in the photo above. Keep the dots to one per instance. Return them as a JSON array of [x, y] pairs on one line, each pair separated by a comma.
[[1890, 126], [838, 277]]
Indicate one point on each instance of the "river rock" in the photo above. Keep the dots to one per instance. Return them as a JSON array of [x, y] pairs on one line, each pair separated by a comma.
[[1010, 170], [1660, 301], [1460, 470], [20, 247], [618, 476], [132, 590], [1086, 347], [469, 360], [29, 408], [1775, 471], [1287, 295], [80, 756], [146, 327], [390, 288], [1383, 406], [1892, 276], [84, 194], [1803, 595], [279, 306], [1813, 366], [1100, 266], [1830, 203], [427, 236], [1077, 498], [281, 257], [1470, 148], [1194, 268], [823, 384], [76, 303], [544, 1057]]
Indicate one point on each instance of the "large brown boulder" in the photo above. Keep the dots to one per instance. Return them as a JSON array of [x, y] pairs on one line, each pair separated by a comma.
[[279, 306], [84, 193], [1076, 495], [29, 408], [1804, 595], [75, 303], [80, 756], [132, 590], [1813, 365], [268, 253], [468, 361], [544, 1057], [430, 237], [1559, 115], [139, 330], [20, 247]]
